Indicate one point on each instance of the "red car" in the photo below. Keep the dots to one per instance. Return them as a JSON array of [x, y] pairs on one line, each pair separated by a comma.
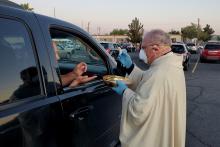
[[211, 51]]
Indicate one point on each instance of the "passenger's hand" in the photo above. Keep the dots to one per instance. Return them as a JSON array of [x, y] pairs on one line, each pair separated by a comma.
[[120, 87], [80, 80], [125, 59], [80, 69]]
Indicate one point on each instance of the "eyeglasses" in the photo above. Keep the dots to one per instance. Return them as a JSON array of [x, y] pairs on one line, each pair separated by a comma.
[[150, 45]]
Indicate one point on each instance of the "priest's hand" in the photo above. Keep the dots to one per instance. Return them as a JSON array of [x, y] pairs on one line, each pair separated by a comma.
[[125, 59], [120, 87]]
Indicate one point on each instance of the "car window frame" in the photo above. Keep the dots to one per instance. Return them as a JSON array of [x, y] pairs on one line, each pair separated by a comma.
[[42, 94], [88, 42]]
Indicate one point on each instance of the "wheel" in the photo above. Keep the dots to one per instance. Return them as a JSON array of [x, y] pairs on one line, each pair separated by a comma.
[[201, 60], [185, 67]]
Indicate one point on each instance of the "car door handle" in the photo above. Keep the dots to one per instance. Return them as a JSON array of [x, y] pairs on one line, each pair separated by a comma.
[[81, 112]]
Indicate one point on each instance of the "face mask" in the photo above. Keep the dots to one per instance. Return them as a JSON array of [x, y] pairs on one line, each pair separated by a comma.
[[143, 55]]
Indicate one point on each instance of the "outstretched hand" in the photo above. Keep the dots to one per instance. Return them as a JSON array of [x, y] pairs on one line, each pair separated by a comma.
[[80, 80], [80, 69]]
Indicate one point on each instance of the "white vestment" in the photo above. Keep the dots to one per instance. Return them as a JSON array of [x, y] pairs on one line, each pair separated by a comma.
[[154, 107]]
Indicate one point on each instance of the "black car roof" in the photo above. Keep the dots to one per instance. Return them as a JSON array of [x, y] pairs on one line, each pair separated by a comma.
[[8, 7], [9, 4]]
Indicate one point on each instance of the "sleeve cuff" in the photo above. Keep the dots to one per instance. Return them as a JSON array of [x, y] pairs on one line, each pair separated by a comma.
[[128, 93], [130, 69]]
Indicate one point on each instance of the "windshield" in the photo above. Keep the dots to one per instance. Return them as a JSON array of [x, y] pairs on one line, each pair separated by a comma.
[[105, 45], [190, 44], [212, 47], [178, 49]]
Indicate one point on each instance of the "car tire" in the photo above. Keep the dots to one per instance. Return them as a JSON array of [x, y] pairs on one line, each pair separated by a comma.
[[185, 67], [202, 60]]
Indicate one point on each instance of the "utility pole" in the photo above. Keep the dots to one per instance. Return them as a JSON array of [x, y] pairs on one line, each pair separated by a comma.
[[198, 22], [82, 25], [88, 27], [54, 12], [198, 31], [99, 30]]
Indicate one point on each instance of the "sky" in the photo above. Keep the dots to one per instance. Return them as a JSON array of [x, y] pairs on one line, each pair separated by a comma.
[[111, 14]]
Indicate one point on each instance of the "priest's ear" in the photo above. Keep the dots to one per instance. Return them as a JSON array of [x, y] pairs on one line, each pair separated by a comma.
[[155, 48]]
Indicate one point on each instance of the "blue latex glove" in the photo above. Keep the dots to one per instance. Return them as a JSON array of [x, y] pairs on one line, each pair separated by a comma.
[[120, 88], [125, 59]]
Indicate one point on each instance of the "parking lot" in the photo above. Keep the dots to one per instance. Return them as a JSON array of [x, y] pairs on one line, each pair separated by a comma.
[[203, 102]]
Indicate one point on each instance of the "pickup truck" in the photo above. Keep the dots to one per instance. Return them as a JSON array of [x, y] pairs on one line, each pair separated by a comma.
[[35, 109]]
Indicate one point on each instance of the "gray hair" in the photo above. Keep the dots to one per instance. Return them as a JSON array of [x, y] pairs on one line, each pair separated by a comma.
[[158, 36]]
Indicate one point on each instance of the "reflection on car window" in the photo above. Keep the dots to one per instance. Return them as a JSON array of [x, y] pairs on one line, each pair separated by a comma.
[[70, 51], [19, 73]]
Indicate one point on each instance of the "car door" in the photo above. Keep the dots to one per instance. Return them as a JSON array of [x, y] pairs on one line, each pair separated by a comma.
[[92, 110], [29, 109]]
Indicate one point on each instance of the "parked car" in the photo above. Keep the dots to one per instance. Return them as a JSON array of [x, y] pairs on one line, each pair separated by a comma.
[[128, 46], [111, 48], [181, 49], [211, 51], [192, 48], [65, 50], [35, 109]]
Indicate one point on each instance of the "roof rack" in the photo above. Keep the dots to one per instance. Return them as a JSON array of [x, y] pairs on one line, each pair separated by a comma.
[[9, 4]]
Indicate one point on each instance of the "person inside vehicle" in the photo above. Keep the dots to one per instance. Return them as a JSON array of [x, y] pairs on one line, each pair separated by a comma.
[[75, 77]]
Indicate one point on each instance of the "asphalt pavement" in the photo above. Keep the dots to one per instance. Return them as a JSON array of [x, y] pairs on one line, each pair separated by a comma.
[[203, 102]]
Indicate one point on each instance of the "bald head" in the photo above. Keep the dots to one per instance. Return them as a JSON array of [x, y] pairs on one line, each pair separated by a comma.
[[155, 44], [158, 37]]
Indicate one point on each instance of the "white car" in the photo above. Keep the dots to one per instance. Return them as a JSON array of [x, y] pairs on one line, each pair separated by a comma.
[[192, 47], [181, 49], [142, 56]]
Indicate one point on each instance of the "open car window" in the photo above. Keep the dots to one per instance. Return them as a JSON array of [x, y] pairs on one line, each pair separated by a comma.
[[73, 50], [178, 49]]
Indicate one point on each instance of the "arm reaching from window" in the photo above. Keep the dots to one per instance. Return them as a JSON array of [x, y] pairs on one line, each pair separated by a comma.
[[80, 80], [74, 74]]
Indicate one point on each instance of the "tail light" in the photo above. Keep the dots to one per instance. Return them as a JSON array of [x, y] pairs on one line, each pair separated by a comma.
[[204, 52]]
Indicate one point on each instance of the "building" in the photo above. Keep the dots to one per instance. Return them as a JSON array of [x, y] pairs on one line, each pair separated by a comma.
[[124, 38], [176, 38], [112, 38]]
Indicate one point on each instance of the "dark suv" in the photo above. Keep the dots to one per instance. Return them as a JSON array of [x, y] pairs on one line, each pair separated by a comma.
[[35, 109]]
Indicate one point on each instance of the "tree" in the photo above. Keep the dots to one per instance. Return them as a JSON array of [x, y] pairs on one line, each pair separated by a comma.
[[135, 31], [26, 6], [203, 36], [218, 38], [209, 31], [190, 31], [119, 32], [173, 32], [195, 31]]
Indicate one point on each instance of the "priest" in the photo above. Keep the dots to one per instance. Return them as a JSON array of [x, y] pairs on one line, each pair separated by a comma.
[[154, 106]]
